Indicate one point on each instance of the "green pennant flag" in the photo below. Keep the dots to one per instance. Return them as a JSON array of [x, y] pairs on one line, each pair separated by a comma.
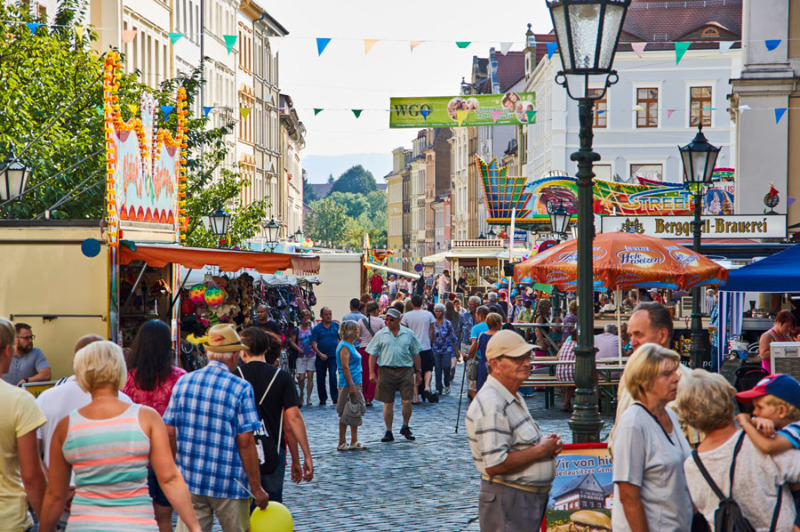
[[317, 111], [463, 44], [680, 49], [357, 112], [230, 42], [175, 37], [99, 109]]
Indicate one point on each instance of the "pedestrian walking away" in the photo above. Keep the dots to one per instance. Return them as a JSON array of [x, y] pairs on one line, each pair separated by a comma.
[[396, 350], [515, 461], [421, 323], [324, 339]]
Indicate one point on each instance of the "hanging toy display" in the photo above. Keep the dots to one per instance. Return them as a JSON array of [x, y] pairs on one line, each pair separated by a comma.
[[215, 295], [197, 293]]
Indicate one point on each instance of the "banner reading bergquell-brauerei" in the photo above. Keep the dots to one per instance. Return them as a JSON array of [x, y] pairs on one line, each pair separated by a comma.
[[509, 109]]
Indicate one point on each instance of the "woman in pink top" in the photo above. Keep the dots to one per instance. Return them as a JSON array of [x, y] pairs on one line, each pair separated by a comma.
[[367, 328], [151, 377], [780, 332]]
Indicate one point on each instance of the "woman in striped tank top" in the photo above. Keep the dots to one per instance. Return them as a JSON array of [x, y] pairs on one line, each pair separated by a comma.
[[108, 444]]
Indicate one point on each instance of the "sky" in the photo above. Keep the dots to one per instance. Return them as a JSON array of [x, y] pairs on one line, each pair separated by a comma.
[[345, 78]]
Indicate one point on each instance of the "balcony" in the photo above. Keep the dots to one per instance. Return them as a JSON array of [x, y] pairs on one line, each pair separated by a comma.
[[477, 243]]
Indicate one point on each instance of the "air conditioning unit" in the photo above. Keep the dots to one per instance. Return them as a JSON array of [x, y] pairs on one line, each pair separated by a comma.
[[785, 358]]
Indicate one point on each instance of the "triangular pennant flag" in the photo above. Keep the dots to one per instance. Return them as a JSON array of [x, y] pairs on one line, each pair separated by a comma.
[[724, 46], [317, 111], [505, 47], [244, 112], [460, 116], [669, 112], [638, 47], [79, 31], [207, 110], [368, 44], [133, 108], [779, 111], [414, 44], [425, 113], [463, 44], [269, 97], [496, 115], [230, 42], [772, 44], [167, 109], [33, 27], [743, 108], [789, 201], [275, 44], [322, 43], [530, 115], [638, 108], [99, 109], [128, 36], [269, 166], [601, 111], [357, 112], [551, 49], [175, 37], [709, 108], [680, 49]]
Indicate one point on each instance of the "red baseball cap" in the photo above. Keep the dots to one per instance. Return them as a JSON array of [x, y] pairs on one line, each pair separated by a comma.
[[778, 384]]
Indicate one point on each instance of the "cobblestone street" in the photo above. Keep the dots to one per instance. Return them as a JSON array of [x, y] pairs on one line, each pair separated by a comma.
[[427, 485]]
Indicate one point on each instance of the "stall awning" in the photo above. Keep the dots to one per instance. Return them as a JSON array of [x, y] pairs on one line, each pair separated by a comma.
[[197, 258], [392, 270]]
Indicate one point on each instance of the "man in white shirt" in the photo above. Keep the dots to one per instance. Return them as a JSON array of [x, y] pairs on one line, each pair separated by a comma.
[[444, 286], [607, 343], [421, 322]]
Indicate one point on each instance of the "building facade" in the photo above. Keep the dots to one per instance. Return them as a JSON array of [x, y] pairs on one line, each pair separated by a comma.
[[395, 237]]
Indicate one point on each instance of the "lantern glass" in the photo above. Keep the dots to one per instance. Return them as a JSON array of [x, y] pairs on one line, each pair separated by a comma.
[[220, 221], [272, 228], [699, 160], [13, 178]]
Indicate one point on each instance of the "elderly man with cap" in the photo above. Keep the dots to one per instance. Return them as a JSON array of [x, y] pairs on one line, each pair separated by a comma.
[[210, 419], [396, 349], [516, 462]]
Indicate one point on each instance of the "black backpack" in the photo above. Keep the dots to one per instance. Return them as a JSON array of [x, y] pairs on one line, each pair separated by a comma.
[[728, 517]]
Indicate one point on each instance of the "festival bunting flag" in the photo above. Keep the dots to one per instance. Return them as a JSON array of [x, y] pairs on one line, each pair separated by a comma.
[[275, 44], [414, 44], [496, 115], [724, 46], [175, 37], [166, 110], [670, 113], [244, 112], [230, 42], [638, 47], [551, 49], [463, 44], [368, 44], [425, 113], [133, 108], [322, 43], [680, 49], [779, 112], [505, 47], [357, 112], [207, 110], [771, 44], [460, 116], [317, 111], [128, 36], [79, 31], [33, 27]]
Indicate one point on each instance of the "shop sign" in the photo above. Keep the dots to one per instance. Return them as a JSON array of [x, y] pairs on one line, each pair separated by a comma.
[[511, 108], [736, 226]]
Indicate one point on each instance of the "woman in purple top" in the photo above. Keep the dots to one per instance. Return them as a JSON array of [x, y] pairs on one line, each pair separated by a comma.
[[495, 322], [445, 341], [306, 358], [570, 321]]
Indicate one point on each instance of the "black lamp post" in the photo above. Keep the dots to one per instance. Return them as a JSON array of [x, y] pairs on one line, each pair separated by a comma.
[[14, 175], [559, 225], [699, 159], [272, 229], [587, 32], [219, 222], [299, 236]]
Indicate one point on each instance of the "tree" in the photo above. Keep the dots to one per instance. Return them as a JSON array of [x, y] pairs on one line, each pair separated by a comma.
[[331, 180], [308, 191], [354, 204], [356, 180], [328, 221]]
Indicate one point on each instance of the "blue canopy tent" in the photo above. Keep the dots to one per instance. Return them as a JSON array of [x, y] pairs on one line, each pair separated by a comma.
[[779, 273]]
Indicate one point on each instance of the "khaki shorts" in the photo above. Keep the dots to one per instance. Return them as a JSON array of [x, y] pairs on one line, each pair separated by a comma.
[[392, 379]]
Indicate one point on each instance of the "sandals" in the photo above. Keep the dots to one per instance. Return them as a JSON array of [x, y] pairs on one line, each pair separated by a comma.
[[344, 447], [358, 446]]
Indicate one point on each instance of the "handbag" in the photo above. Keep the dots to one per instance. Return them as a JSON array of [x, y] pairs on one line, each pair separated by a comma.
[[268, 449], [472, 370]]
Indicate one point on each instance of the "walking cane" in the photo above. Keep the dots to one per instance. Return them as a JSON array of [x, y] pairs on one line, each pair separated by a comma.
[[461, 393]]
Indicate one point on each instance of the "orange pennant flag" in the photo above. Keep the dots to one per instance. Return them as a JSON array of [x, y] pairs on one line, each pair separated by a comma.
[[414, 44], [128, 36], [368, 44]]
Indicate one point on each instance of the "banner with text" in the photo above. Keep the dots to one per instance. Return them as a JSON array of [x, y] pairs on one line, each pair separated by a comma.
[[509, 109], [737, 226]]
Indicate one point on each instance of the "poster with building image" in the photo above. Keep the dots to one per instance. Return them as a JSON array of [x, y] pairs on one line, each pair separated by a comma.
[[582, 495]]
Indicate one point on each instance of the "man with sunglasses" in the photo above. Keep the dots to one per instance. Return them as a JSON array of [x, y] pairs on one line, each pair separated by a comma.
[[396, 350], [515, 460], [29, 363]]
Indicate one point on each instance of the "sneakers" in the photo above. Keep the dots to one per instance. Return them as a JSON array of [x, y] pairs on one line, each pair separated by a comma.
[[406, 431], [388, 436], [322, 403], [447, 390]]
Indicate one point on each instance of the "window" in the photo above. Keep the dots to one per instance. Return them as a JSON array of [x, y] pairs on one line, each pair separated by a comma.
[[600, 108], [710, 33], [647, 98], [648, 171], [700, 106]]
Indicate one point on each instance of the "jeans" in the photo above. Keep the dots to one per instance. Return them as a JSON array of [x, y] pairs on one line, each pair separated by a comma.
[[328, 366], [441, 362], [273, 483]]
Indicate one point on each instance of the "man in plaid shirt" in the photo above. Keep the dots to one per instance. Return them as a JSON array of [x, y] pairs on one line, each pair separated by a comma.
[[211, 418]]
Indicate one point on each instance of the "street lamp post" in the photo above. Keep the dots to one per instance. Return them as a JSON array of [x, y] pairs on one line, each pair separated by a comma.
[[559, 225], [272, 227], [699, 159], [299, 236], [14, 175], [219, 222], [587, 32]]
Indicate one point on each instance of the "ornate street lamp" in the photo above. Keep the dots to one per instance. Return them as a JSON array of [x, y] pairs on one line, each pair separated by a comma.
[[481, 236], [491, 234], [14, 177], [272, 227], [699, 159], [559, 225], [219, 222], [299, 237], [587, 32]]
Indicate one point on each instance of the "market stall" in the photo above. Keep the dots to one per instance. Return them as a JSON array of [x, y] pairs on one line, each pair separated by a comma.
[[482, 260]]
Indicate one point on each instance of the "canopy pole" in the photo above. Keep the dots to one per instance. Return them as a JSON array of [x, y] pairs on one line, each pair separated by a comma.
[[178, 294], [617, 295], [133, 290]]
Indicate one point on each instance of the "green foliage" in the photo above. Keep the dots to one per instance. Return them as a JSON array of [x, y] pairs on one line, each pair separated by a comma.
[[328, 222], [356, 180], [354, 204], [308, 191], [362, 213]]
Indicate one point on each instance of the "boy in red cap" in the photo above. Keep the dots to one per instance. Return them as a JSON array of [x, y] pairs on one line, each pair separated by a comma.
[[776, 405]]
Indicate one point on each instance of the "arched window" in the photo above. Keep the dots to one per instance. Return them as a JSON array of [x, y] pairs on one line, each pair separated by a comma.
[[710, 33]]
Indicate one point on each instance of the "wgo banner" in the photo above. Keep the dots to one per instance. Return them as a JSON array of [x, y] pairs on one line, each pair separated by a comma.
[[509, 109]]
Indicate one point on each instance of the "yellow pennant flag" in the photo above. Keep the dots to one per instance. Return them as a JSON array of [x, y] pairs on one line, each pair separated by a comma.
[[414, 44], [460, 116], [244, 112], [368, 44], [133, 108], [638, 108], [79, 31]]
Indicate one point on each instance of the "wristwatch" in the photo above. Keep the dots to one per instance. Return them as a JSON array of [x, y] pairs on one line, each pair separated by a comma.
[[417, 370]]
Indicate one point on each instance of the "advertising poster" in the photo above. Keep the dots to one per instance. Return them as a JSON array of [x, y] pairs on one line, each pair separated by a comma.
[[583, 492], [509, 109], [665, 199]]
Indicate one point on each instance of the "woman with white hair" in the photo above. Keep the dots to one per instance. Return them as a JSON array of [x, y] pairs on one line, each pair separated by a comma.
[[108, 444], [351, 407], [649, 448], [445, 342]]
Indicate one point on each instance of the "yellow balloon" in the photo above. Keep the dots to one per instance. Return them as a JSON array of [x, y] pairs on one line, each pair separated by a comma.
[[276, 518]]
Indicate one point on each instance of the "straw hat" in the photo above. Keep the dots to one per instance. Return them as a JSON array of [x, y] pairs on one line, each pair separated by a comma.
[[223, 339]]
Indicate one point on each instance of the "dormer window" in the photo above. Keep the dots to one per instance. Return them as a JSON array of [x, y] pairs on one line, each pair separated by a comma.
[[710, 33]]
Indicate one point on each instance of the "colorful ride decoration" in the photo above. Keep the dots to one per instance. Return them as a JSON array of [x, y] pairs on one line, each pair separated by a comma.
[[145, 178]]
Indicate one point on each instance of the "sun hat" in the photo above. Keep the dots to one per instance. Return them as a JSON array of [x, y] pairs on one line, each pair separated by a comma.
[[778, 384], [223, 339], [507, 343]]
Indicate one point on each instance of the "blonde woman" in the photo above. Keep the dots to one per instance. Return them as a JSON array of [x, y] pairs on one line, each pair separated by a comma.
[[109, 444], [351, 407]]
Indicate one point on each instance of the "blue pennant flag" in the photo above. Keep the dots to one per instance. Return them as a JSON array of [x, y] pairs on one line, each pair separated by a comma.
[[551, 49], [167, 109], [33, 27], [207, 110], [772, 44], [425, 113], [779, 112], [322, 42]]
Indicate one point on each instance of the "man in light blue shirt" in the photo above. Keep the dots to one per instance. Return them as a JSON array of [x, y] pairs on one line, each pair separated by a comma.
[[354, 315], [396, 349]]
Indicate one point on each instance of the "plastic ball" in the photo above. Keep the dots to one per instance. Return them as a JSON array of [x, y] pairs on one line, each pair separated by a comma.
[[197, 293], [275, 518], [215, 295]]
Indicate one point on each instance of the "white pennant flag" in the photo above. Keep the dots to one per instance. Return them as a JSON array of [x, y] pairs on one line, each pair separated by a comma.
[[724, 46], [275, 44], [268, 168], [743, 108], [505, 47]]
